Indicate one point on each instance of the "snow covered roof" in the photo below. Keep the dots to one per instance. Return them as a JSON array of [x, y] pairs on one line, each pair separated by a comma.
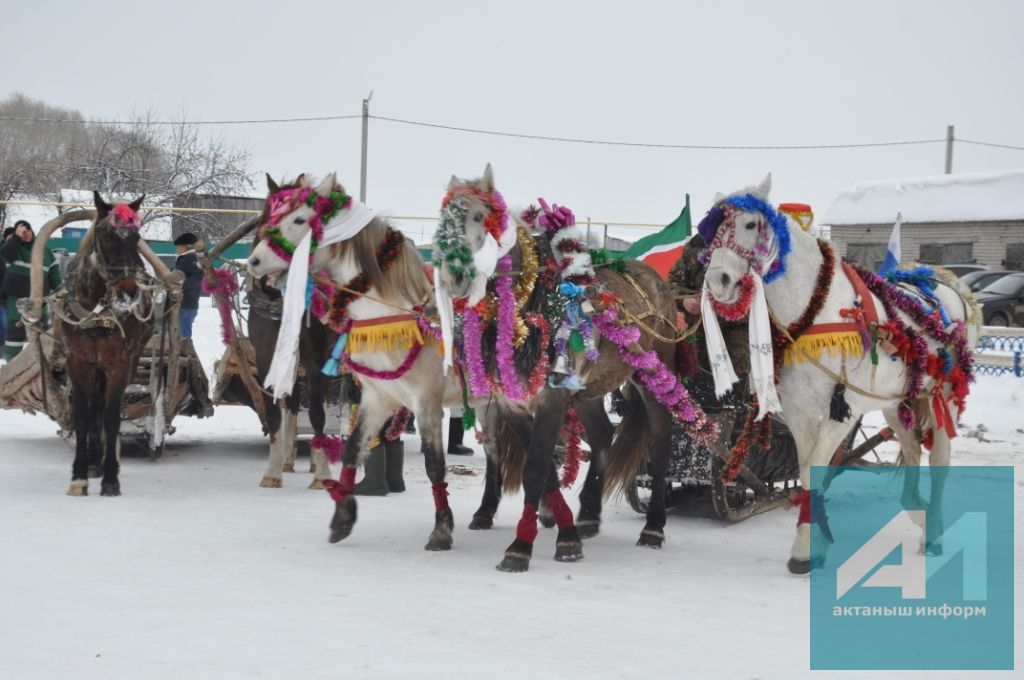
[[981, 197]]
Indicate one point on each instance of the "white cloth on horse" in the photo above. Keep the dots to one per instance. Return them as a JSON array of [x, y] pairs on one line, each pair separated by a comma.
[[346, 224], [485, 261], [759, 336]]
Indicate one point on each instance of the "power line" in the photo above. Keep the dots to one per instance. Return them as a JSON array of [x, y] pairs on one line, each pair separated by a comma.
[[515, 135], [145, 123], [575, 140], [998, 146]]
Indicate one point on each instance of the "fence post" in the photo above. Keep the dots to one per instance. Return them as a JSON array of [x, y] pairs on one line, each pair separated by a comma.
[[1018, 370]]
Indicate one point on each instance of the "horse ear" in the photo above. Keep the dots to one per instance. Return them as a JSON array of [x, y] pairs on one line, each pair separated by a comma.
[[452, 183], [326, 186], [719, 197], [137, 203], [271, 184], [102, 207], [301, 180], [764, 187], [488, 180]]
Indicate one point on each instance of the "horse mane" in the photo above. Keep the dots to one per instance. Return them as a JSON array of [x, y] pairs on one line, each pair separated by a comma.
[[404, 277]]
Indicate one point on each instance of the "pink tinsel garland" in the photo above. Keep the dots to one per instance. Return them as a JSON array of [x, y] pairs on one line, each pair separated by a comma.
[[223, 289], [332, 446], [657, 378], [512, 388], [410, 359], [472, 338]]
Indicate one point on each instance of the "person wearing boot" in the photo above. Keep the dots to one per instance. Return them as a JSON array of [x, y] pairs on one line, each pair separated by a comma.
[[187, 262], [455, 433], [382, 469]]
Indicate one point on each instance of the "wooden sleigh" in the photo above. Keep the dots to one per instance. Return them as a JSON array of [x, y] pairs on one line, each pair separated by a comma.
[[167, 382]]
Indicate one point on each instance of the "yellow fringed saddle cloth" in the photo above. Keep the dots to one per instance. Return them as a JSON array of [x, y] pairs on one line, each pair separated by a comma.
[[383, 334], [843, 338], [838, 339]]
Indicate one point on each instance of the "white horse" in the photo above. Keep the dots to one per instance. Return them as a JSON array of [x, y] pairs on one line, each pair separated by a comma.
[[801, 275]]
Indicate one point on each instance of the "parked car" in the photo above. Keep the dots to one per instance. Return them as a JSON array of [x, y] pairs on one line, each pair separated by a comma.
[[961, 269], [979, 279], [1002, 302]]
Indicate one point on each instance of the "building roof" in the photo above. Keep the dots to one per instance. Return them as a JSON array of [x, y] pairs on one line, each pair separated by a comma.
[[981, 197]]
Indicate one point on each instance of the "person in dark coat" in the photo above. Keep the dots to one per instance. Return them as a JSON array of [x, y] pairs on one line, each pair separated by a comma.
[[8, 232], [16, 253], [188, 263]]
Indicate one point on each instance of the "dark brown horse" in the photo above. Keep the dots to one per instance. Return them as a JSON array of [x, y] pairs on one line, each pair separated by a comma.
[[103, 327]]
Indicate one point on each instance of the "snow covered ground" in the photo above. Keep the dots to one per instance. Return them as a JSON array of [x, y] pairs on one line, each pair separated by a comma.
[[196, 572]]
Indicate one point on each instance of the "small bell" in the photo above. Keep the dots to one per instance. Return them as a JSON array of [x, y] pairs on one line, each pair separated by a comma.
[[587, 308], [561, 366]]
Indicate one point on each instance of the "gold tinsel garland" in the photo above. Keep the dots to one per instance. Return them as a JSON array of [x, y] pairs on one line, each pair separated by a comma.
[[529, 267]]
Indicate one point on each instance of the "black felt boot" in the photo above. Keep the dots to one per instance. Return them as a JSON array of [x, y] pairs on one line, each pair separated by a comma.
[[394, 453], [374, 481], [455, 431]]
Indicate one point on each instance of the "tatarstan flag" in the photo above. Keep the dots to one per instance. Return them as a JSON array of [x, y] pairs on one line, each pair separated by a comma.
[[662, 250]]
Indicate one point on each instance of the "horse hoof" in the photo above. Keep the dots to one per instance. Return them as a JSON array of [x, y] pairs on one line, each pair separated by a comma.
[[78, 490], [110, 489], [95, 472], [271, 483], [514, 564], [344, 519], [568, 551], [316, 484], [799, 566], [651, 539], [288, 467], [588, 528], [480, 522], [517, 557], [439, 541], [547, 520]]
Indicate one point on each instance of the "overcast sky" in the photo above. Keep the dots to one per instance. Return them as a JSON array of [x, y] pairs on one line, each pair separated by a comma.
[[729, 73]]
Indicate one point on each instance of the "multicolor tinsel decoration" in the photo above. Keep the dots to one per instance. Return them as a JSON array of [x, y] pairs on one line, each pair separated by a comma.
[[451, 249], [223, 289], [774, 245], [397, 425], [286, 201]]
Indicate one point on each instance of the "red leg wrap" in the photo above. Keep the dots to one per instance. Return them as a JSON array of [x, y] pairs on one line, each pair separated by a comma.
[[440, 496], [557, 506], [805, 508], [526, 530], [343, 487]]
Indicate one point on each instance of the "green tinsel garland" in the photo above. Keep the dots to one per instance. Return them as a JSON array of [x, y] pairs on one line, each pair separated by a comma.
[[450, 241]]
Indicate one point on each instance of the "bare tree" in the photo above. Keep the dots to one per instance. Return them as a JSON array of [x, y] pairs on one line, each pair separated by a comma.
[[172, 164]]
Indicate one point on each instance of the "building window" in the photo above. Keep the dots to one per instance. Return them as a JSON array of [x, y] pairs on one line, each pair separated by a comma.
[[1014, 256], [947, 253], [868, 255]]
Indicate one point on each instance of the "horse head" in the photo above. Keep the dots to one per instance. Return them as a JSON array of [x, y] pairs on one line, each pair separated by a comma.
[[473, 220], [743, 234], [290, 214], [115, 245]]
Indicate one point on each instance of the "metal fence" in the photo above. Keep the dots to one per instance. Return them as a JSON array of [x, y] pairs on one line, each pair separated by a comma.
[[1000, 351]]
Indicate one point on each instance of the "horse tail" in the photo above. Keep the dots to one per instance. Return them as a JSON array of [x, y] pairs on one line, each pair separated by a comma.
[[511, 458], [630, 446]]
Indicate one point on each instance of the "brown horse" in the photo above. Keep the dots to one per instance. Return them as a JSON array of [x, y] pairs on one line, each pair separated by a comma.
[[103, 328]]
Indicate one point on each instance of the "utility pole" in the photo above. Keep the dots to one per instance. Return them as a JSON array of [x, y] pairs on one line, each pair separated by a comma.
[[949, 149], [366, 133]]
